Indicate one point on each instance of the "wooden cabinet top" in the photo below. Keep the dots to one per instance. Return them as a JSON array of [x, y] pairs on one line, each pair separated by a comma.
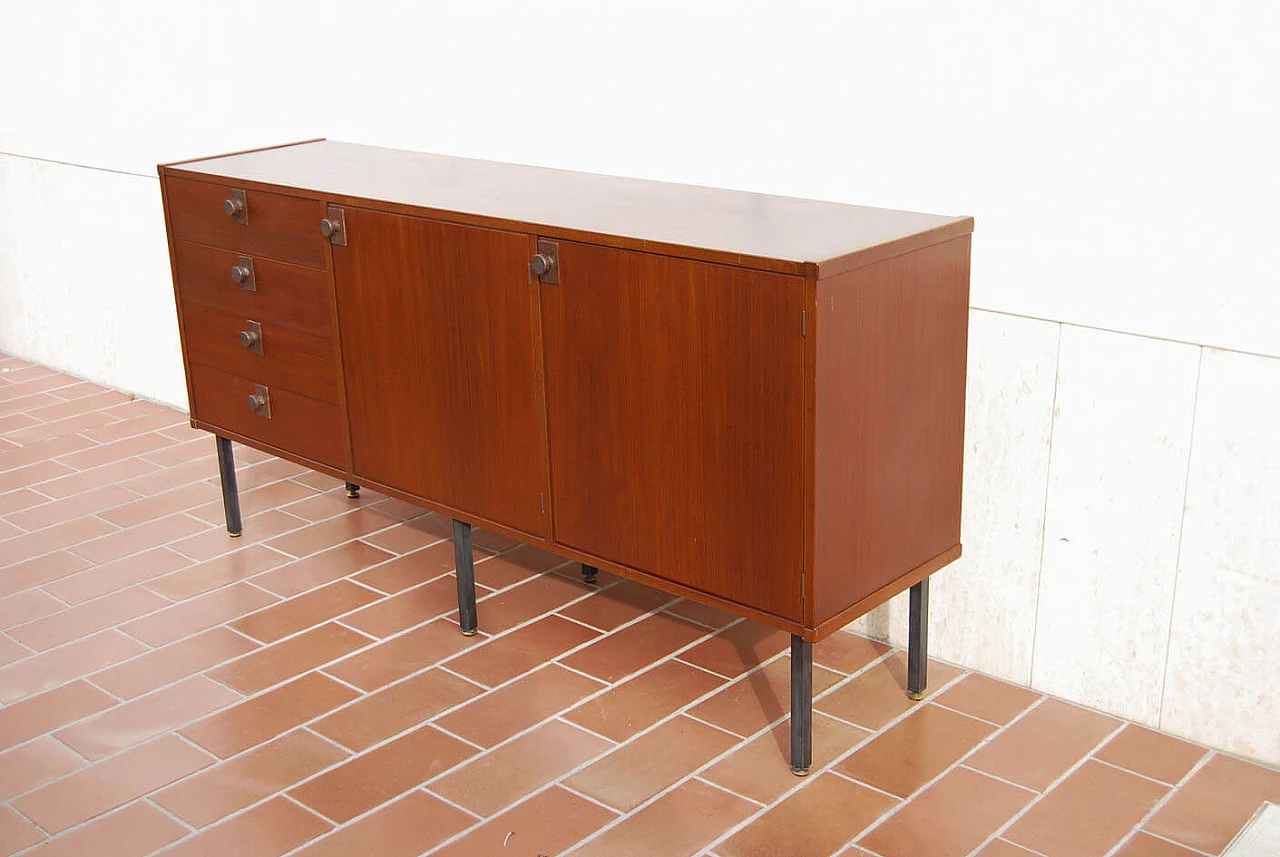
[[778, 233]]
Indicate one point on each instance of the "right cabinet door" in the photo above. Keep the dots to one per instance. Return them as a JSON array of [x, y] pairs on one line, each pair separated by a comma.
[[674, 401]]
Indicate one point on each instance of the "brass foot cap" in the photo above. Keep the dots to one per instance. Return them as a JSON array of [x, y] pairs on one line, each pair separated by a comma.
[[354, 495], [917, 695], [468, 633], [233, 535], [800, 772]]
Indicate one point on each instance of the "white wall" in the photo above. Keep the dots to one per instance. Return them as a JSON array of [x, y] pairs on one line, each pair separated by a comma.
[[1121, 485]]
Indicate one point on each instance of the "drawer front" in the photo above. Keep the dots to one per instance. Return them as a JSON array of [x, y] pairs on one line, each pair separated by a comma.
[[289, 358], [279, 227], [302, 425], [289, 295]]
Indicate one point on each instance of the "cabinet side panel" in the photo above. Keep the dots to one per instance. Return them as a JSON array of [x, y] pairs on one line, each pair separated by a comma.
[[889, 432]]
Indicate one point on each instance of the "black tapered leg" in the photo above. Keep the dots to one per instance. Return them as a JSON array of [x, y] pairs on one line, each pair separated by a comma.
[[230, 494], [353, 490], [464, 565], [801, 705], [589, 573], [918, 641]]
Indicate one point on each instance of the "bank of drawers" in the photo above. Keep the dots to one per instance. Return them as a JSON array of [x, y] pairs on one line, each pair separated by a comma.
[[257, 316]]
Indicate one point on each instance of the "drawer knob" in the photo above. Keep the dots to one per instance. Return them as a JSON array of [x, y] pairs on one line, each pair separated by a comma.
[[240, 274], [232, 206], [542, 264], [248, 338], [260, 401], [236, 207], [328, 228], [334, 226]]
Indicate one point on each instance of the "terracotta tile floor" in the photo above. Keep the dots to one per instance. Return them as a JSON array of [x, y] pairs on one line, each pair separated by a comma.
[[303, 690]]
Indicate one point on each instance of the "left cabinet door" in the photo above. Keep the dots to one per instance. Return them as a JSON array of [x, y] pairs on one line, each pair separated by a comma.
[[437, 324]]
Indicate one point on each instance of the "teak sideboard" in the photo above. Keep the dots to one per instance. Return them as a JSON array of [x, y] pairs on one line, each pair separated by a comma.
[[755, 402]]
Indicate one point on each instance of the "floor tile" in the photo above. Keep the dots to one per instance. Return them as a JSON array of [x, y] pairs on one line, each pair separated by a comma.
[[816, 821], [248, 778], [39, 571], [305, 611], [321, 568], [403, 655], [1144, 845], [520, 767], [1041, 746], [639, 702], [847, 653], [547, 823], [1215, 803], [289, 658], [678, 824], [410, 535], [502, 713], [34, 764], [135, 831], [379, 775], [378, 716], [154, 533], [22, 498], [16, 833], [951, 818], [198, 614], [988, 698], [35, 715], [87, 618], [1152, 754], [1001, 848], [642, 768], [617, 605], [326, 534], [916, 749], [59, 536], [412, 607], [543, 593], [143, 718], [502, 659], [32, 474], [213, 574], [1112, 800], [113, 470], [269, 830], [75, 660], [759, 699], [140, 510], [258, 528], [879, 695], [634, 647], [761, 768], [401, 573], [738, 649], [11, 651], [172, 662], [112, 576], [68, 508], [411, 826], [114, 782], [700, 613], [276, 495], [273, 713]]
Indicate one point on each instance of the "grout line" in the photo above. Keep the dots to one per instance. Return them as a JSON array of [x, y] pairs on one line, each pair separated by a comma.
[[147, 799], [720, 788], [1182, 528], [1044, 516], [589, 798]]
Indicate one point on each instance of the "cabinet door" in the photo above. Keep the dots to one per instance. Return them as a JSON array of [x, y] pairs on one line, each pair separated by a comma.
[[437, 328], [675, 412]]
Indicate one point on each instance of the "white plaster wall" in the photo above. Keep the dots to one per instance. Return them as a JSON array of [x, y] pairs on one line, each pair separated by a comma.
[[1119, 159]]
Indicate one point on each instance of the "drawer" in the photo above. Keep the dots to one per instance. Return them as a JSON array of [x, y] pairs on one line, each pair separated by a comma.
[[304, 426], [291, 359], [290, 295], [277, 226]]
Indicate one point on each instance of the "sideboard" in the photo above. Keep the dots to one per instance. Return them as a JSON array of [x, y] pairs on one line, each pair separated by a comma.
[[755, 402]]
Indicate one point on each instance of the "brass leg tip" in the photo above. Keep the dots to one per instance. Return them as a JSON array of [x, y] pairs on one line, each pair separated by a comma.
[[233, 535], [917, 695], [800, 772], [470, 633], [354, 495]]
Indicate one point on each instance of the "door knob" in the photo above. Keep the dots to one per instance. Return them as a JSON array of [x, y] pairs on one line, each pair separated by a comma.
[[334, 226], [541, 264], [328, 228]]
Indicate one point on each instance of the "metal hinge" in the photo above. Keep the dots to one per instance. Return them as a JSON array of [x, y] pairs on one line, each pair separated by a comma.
[[804, 322]]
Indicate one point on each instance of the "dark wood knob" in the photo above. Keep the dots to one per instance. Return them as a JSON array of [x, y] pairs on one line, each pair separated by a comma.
[[233, 207], [541, 263]]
